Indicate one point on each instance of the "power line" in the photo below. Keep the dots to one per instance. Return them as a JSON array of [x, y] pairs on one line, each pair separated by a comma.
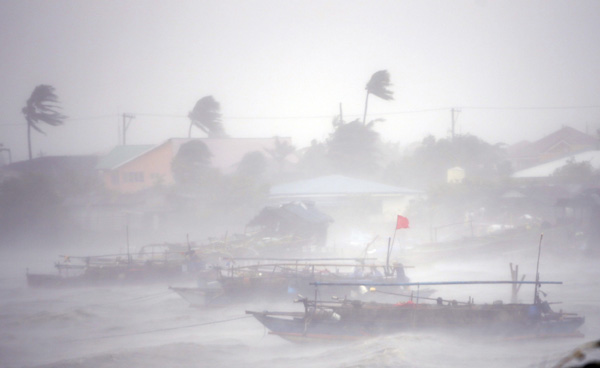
[[405, 112], [531, 107], [93, 117]]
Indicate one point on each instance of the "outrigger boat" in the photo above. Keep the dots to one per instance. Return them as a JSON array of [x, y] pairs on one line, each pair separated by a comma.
[[154, 262], [278, 279], [355, 319]]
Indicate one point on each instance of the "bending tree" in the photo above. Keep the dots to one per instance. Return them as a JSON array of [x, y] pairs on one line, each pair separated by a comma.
[[354, 149], [378, 86], [191, 164], [41, 107], [206, 115], [281, 150]]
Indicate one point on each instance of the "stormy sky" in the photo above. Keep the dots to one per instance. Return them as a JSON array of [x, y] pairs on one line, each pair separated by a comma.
[[516, 69]]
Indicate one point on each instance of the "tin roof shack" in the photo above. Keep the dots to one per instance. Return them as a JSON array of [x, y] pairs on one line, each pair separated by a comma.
[[357, 205], [300, 221]]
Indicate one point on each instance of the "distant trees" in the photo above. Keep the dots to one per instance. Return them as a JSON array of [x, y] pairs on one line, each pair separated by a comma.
[[191, 164], [427, 166], [314, 160], [41, 107], [576, 173], [279, 153], [353, 148], [207, 198], [378, 86], [253, 164], [206, 116], [31, 210]]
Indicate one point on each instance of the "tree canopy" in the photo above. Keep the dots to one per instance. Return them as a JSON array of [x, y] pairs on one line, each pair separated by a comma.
[[206, 116], [41, 107], [353, 148], [191, 163], [378, 85]]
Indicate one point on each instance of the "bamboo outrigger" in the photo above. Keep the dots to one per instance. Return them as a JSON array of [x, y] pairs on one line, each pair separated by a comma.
[[281, 280], [354, 319], [351, 319], [147, 265]]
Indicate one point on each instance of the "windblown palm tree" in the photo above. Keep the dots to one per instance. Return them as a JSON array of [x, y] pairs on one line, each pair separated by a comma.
[[206, 116], [41, 107], [378, 86], [191, 163]]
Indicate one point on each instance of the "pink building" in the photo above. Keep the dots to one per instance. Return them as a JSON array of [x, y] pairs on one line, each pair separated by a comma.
[[128, 169]]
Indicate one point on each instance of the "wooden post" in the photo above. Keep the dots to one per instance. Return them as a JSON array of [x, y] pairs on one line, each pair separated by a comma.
[[514, 273]]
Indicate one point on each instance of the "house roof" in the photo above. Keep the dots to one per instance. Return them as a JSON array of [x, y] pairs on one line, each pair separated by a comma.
[[547, 169], [54, 164], [120, 155], [228, 152], [337, 185], [566, 135]]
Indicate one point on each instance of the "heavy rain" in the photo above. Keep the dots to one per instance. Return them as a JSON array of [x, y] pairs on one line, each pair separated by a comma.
[[291, 184]]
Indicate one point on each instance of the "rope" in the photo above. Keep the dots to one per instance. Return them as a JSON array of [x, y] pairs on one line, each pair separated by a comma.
[[162, 329], [141, 297], [80, 307]]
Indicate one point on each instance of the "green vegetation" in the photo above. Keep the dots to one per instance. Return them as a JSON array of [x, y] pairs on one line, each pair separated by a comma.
[[206, 116], [41, 107]]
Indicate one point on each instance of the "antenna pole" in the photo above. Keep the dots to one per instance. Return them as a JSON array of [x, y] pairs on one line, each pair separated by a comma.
[[127, 237], [387, 261], [126, 126], [536, 297]]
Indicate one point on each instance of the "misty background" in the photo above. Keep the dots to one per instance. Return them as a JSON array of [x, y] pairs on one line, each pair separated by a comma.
[[515, 69], [470, 81]]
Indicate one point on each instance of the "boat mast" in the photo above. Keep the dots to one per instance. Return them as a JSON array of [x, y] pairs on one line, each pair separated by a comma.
[[536, 296], [387, 260]]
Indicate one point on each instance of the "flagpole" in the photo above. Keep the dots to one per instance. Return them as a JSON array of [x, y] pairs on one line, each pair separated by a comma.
[[402, 225], [387, 262], [393, 239], [390, 247]]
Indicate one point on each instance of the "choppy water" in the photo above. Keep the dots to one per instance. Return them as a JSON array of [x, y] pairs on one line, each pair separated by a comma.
[[150, 326]]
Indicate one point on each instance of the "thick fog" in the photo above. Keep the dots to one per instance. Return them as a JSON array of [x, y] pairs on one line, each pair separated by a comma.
[[154, 151], [283, 69]]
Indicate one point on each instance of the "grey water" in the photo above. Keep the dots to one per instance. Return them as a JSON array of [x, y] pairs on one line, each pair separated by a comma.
[[151, 326]]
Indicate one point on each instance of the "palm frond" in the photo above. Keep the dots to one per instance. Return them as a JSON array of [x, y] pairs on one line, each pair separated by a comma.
[[206, 115], [42, 106], [378, 85]]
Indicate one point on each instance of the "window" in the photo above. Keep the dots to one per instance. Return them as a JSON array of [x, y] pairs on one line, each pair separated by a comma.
[[133, 177]]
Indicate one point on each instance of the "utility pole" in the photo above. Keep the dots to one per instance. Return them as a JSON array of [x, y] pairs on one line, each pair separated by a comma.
[[454, 118], [8, 151], [126, 126]]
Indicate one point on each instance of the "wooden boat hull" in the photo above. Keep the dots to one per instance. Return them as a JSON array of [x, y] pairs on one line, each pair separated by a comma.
[[367, 320], [95, 276]]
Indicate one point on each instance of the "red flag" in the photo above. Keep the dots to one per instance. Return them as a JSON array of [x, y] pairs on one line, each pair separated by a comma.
[[402, 223]]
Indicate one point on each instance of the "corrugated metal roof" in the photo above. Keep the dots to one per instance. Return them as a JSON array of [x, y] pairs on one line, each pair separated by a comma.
[[337, 185], [121, 155], [547, 169]]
